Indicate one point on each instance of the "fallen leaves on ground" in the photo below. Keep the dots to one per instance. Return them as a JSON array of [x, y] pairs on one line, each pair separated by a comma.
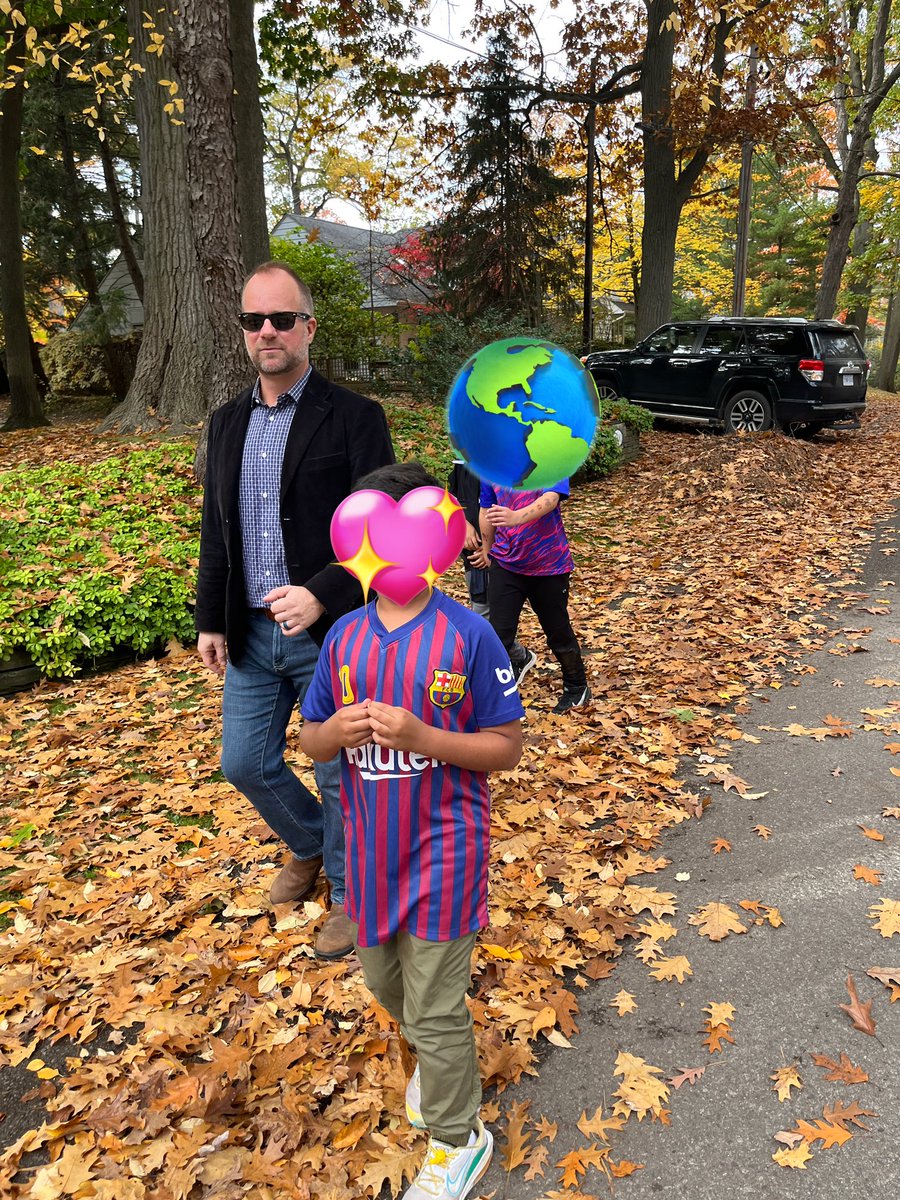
[[716, 921], [844, 1071], [200, 1046], [890, 977], [886, 915], [785, 1078], [717, 1026], [859, 1013]]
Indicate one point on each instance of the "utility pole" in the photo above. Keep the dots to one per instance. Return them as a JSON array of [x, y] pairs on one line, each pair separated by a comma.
[[587, 318], [745, 191]]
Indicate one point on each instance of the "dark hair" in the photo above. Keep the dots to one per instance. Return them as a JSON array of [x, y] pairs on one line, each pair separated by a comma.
[[396, 480], [275, 265]]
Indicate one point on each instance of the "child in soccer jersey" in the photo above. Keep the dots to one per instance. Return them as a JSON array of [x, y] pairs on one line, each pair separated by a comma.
[[421, 700], [524, 541]]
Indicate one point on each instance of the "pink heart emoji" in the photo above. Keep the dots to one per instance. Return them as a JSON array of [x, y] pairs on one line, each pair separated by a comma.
[[398, 547]]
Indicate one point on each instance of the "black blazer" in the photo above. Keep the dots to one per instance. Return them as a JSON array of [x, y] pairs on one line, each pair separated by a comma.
[[336, 437]]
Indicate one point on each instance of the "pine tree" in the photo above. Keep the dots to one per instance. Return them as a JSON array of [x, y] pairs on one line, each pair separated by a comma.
[[499, 244]]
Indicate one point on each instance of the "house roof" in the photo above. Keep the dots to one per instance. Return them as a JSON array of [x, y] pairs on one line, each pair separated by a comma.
[[372, 252]]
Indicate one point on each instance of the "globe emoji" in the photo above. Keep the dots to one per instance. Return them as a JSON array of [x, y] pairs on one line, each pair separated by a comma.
[[522, 413]]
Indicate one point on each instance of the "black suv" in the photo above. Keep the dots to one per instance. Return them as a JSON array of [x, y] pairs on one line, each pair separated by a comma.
[[743, 374]]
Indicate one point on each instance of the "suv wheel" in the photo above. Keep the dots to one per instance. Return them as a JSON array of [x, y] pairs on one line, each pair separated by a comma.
[[747, 412], [606, 390]]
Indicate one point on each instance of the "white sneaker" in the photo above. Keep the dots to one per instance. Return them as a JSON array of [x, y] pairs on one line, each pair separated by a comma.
[[414, 1100], [521, 666], [451, 1172]]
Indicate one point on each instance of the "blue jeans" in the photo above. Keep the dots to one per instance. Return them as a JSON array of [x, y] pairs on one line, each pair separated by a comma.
[[260, 695]]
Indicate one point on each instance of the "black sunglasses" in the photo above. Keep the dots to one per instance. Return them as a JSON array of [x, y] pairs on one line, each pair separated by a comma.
[[282, 321]]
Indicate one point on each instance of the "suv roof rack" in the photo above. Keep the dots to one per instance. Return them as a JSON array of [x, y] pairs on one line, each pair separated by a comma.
[[718, 320]]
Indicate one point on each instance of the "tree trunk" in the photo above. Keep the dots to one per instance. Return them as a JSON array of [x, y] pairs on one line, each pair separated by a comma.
[[249, 135], [843, 222], [886, 376], [123, 233], [84, 263], [654, 306], [174, 367], [26, 410], [862, 288]]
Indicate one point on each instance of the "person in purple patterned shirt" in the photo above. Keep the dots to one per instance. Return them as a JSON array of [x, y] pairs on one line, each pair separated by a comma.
[[525, 545]]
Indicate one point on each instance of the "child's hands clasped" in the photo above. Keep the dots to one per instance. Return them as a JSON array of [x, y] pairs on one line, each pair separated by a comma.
[[498, 515], [396, 728], [352, 726]]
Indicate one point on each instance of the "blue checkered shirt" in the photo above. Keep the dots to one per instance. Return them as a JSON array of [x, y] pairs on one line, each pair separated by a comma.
[[265, 566]]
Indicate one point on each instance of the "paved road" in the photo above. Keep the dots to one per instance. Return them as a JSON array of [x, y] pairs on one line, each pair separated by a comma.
[[786, 983]]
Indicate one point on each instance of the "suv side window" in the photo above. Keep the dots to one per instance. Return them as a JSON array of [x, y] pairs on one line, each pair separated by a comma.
[[672, 339], [721, 339], [766, 339]]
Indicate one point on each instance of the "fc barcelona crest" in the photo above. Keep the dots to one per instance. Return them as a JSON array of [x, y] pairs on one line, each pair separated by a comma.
[[446, 688]]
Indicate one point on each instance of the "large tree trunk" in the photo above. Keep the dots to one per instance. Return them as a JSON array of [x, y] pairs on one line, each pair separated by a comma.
[[654, 301], [26, 410], [249, 135], [886, 376], [873, 89], [172, 378]]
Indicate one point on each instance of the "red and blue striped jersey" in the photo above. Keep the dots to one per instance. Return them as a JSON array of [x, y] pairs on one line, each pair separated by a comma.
[[417, 829], [538, 548]]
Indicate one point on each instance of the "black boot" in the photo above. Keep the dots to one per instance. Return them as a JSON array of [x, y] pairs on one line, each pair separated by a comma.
[[575, 687]]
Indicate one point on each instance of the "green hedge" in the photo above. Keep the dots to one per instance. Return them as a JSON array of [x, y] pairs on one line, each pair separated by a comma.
[[97, 557]]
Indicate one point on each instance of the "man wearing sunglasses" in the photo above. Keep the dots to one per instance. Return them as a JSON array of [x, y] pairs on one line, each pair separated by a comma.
[[282, 456]]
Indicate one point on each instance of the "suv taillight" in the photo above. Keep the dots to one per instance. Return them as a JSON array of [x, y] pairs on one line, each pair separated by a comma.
[[812, 370]]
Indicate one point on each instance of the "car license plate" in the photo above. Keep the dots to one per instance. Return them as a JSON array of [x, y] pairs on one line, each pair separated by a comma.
[[849, 380]]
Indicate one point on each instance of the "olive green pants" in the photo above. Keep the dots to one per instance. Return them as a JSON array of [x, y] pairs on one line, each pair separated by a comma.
[[423, 986]]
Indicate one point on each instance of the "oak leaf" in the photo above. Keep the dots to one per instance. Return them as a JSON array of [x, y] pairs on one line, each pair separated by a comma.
[[599, 1126], [796, 1158], [688, 1075], [624, 1168], [874, 834], [860, 1014], [640, 1091], [866, 874], [891, 812], [720, 844], [841, 1114], [623, 1002], [515, 1147], [716, 1035], [716, 921], [843, 1072], [886, 915], [671, 968], [391, 1168], [762, 832], [824, 1131], [536, 1161], [890, 977], [785, 1078], [720, 1012]]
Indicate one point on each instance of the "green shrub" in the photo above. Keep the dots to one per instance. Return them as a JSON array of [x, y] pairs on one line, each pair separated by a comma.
[[443, 343], [98, 557], [75, 362], [605, 452]]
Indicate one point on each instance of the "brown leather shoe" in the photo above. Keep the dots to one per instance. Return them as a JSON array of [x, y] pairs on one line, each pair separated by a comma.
[[336, 935], [296, 879]]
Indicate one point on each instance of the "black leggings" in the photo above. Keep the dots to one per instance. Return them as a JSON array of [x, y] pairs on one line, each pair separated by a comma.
[[548, 596]]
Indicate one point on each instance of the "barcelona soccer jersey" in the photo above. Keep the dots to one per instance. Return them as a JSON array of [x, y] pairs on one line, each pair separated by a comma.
[[538, 548], [417, 829]]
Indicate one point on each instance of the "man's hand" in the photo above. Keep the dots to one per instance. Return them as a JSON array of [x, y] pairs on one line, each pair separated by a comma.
[[497, 515], [473, 539], [395, 728], [294, 608], [211, 647], [350, 725]]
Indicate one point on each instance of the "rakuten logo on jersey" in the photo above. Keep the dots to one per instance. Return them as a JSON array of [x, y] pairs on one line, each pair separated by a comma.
[[379, 762]]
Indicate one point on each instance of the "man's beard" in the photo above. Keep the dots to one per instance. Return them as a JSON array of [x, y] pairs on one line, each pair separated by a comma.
[[275, 363]]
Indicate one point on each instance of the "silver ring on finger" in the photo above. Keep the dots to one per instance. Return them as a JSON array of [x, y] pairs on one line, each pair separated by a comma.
[[285, 625]]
